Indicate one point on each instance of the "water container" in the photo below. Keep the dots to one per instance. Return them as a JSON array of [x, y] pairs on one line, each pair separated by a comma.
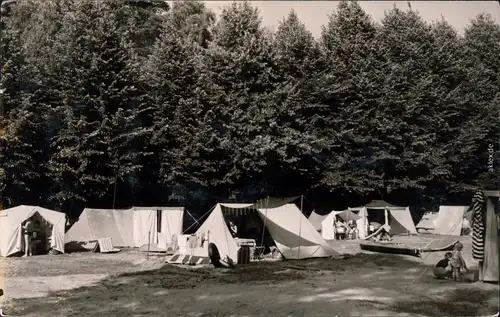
[[244, 255]]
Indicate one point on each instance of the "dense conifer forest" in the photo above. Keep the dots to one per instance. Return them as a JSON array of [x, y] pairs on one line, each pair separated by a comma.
[[115, 103]]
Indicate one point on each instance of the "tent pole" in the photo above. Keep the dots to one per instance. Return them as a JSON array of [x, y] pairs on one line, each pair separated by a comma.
[[196, 222], [263, 225], [190, 215], [300, 221], [149, 243], [114, 191]]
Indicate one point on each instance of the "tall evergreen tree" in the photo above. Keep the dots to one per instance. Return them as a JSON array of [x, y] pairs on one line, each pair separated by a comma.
[[94, 147], [350, 88], [479, 126], [237, 76], [409, 115], [171, 78], [298, 121], [25, 130]]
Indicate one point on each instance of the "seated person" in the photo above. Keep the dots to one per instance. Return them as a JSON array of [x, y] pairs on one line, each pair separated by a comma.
[[443, 268], [374, 226], [234, 229], [384, 234]]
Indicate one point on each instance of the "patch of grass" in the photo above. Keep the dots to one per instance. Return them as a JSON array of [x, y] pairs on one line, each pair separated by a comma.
[[172, 277]]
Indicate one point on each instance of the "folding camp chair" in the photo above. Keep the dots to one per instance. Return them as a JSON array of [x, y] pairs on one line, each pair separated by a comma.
[[105, 245]]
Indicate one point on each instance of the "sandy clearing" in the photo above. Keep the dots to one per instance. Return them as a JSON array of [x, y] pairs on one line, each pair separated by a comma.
[[368, 284]]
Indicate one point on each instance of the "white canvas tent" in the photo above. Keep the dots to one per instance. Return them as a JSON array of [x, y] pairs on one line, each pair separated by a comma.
[[11, 239], [132, 228], [327, 224], [428, 222], [398, 218], [317, 220], [294, 236], [450, 220]]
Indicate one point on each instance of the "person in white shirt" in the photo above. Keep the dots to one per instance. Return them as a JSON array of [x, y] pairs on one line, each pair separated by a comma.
[[341, 229]]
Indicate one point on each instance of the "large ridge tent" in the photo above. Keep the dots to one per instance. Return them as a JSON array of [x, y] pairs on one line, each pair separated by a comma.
[[294, 236], [327, 224], [11, 239], [132, 228], [398, 218], [316, 220], [450, 220]]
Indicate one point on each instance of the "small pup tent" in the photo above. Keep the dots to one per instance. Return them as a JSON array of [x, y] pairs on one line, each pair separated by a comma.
[[317, 220], [428, 222], [398, 218], [327, 224], [11, 220], [294, 236], [129, 228], [450, 220]]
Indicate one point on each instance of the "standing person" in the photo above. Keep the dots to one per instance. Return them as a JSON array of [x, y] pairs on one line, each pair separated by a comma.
[[341, 229], [457, 261], [335, 233], [28, 229]]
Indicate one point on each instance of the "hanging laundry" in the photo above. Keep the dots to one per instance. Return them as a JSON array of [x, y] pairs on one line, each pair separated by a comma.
[[478, 226]]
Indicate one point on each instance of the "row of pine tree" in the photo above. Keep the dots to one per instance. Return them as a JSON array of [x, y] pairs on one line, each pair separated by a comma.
[[113, 103]]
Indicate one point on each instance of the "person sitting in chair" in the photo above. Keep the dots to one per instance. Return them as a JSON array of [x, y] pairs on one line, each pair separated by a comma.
[[234, 229], [384, 234], [374, 226]]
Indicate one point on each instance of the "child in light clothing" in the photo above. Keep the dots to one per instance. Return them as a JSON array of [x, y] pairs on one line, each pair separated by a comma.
[[457, 261]]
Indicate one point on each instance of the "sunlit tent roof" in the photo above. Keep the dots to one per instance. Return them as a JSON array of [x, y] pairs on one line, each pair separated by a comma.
[[10, 227], [327, 223], [450, 220], [379, 204], [134, 227], [316, 220], [294, 235]]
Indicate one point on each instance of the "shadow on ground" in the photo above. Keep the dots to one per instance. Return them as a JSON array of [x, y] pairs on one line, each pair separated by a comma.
[[364, 284]]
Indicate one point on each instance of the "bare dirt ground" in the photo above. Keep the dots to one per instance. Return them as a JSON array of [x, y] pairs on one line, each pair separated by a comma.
[[363, 284]]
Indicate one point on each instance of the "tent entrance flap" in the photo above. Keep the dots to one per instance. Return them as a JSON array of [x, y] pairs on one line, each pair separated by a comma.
[[249, 225]]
